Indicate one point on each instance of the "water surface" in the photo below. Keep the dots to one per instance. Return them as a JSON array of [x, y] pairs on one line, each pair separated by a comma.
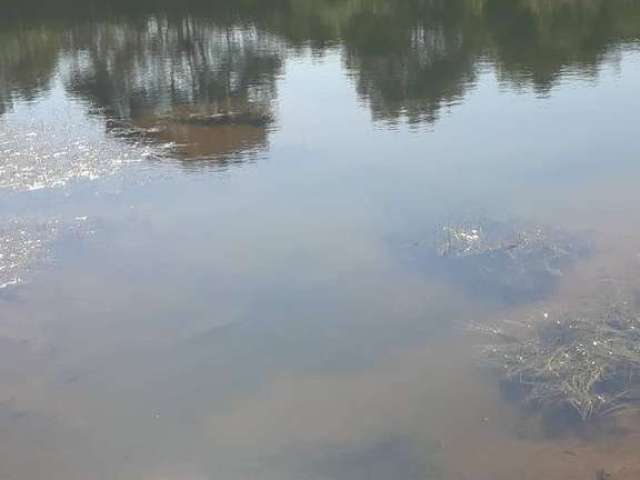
[[186, 297]]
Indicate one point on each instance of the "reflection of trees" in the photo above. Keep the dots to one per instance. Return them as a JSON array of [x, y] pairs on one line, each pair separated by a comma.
[[408, 58], [155, 70], [412, 58], [160, 73], [28, 58], [133, 70], [533, 41]]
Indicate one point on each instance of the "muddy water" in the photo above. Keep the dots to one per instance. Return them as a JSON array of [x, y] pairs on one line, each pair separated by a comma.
[[185, 297]]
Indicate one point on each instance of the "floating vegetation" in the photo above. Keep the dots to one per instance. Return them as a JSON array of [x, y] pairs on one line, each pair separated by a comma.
[[510, 260], [588, 360]]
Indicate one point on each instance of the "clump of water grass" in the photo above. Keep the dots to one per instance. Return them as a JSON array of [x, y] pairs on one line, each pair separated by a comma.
[[508, 261], [588, 361]]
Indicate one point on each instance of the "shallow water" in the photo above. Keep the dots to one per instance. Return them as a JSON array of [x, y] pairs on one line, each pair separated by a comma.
[[183, 299]]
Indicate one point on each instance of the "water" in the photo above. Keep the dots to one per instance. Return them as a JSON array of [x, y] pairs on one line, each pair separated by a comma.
[[184, 297]]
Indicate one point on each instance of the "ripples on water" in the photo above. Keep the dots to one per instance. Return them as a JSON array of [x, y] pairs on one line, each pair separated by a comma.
[[255, 175], [53, 142], [25, 244]]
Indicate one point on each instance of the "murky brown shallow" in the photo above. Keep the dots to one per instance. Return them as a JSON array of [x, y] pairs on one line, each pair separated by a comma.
[[215, 221]]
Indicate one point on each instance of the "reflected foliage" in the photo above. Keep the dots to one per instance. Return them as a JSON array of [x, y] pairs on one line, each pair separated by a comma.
[[133, 70], [408, 58], [412, 71], [162, 74], [535, 41], [28, 58]]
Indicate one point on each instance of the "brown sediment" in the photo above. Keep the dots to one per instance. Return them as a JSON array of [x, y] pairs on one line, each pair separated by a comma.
[[490, 438], [494, 455], [436, 393]]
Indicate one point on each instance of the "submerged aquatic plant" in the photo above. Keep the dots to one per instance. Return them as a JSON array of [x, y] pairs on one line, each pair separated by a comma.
[[588, 361], [512, 239], [510, 261]]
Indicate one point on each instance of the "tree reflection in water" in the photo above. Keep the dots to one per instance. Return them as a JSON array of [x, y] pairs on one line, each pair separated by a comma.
[[153, 67]]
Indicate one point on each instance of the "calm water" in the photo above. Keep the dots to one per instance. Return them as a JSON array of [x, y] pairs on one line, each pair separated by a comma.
[[184, 297]]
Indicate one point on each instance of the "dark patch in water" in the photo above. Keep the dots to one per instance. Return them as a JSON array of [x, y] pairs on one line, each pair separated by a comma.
[[504, 262], [391, 458]]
